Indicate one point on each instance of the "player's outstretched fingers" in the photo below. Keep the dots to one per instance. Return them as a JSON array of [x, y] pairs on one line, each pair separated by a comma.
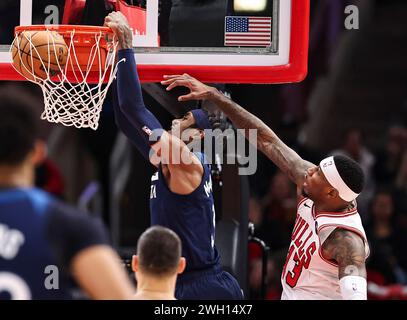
[[171, 79], [171, 76], [186, 75], [188, 97], [179, 83]]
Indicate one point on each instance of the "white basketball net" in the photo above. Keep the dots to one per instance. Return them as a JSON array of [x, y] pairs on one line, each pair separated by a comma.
[[73, 101]]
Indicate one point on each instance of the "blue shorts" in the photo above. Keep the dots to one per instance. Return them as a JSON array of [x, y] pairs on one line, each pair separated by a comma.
[[208, 284]]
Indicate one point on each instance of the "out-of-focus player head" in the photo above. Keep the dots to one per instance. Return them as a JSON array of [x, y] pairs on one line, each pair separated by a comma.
[[337, 180], [158, 260], [21, 147], [193, 124]]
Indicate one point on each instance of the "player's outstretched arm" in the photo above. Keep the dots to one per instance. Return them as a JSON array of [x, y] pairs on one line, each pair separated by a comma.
[[98, 271], [132, 116], [139, 124], [267, 141], [347, 249]]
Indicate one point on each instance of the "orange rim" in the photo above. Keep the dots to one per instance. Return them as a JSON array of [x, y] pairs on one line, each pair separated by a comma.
[[65, 29]]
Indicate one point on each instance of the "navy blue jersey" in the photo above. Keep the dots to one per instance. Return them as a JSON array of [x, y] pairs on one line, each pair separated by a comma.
[[37, 231], [191, 216]]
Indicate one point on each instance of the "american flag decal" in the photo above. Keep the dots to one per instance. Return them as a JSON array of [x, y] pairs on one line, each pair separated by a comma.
[[247, 31]]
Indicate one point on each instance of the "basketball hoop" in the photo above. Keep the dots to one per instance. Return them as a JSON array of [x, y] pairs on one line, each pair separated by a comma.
[[63, 67]]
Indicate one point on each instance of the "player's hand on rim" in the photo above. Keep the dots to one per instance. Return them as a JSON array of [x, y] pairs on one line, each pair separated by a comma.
[[114, 20], [121, 28], [199, 91]]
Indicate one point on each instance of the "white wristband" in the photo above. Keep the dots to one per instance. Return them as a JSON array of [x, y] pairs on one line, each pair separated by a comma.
[[353, 288]]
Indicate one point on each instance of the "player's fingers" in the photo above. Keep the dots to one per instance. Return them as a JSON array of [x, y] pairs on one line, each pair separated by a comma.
[[171, 76], [111, 15], [108, 19], [179, 83], [108, 23], [114, 16], [186, 75], [122, 16], [188, 97], [169, 81], [112, 25]]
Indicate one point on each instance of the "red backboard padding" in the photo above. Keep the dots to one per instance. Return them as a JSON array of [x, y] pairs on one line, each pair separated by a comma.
[[135, 15], [73, 11]]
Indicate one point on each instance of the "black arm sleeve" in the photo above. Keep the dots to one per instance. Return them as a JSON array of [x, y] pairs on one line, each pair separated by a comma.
[[132, 116], [134, 134]]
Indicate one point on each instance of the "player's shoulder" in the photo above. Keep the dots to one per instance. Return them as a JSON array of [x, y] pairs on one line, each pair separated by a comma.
[[62, 213], [71, 222], [44, 201], [38, 200], [71, 230], [41, 199], [350, 213], [304, 202], [59, 213]]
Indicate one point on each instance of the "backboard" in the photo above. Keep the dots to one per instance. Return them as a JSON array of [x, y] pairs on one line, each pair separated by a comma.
[[218, 41]]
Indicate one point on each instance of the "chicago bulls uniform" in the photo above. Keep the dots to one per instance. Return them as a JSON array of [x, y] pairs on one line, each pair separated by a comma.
[[306, 274]]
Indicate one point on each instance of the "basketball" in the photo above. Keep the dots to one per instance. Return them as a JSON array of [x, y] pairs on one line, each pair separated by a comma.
[[37, 54]]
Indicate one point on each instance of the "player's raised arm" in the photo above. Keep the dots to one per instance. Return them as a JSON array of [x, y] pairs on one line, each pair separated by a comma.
[[132, 116], [267, 141], [138, 123], [101, 262]]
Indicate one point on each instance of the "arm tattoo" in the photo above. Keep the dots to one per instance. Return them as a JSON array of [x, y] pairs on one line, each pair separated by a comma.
[[267, 141], [348, 250]]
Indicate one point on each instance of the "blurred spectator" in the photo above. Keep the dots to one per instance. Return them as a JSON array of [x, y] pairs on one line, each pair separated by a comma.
[[354, 148], [400, 193], [281, 198], [275, 266], [279, 212], [401, 179], [388, 160], [49, 178], [386, 240], [255, 271], [255, 212], [400, 201]]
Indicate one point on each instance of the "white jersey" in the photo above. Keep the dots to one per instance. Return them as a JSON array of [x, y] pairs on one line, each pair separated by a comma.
[[306, 274]]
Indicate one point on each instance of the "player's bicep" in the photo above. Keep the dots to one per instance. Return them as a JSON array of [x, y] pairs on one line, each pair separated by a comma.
[[172, 151], [284, 157], [347, 249], [185, 170]]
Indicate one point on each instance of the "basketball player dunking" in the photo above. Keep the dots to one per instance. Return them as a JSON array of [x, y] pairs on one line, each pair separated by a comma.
[[326, 258], [181, 190]]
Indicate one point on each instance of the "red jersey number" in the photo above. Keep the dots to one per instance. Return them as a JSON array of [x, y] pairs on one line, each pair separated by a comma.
[[300, 263]]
